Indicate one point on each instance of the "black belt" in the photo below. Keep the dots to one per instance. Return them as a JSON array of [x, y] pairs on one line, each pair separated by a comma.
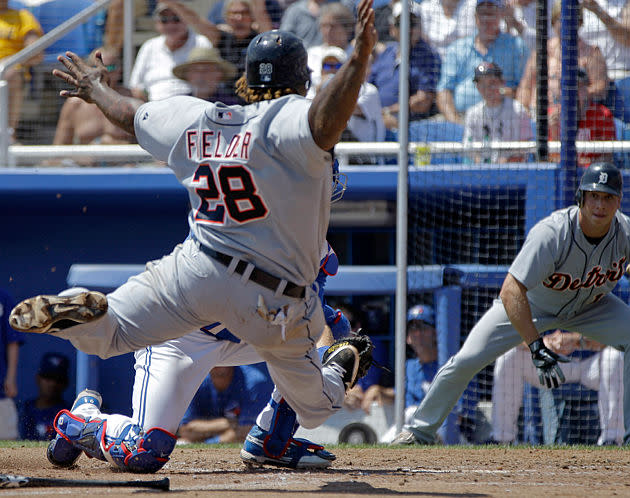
[[257, 275]]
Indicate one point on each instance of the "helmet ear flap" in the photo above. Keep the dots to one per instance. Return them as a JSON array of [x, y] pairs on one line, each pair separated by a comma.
[[578, 197]]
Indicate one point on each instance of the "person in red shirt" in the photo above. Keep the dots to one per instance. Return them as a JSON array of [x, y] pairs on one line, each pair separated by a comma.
[[595, 123]]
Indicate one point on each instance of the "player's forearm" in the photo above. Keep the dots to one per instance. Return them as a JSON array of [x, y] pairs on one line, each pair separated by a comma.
[[119, 109], [333, 106], [199, 430], [13, 354], [514, 297]]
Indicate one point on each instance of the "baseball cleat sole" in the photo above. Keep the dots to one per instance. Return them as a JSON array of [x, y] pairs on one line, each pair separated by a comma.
[[50, 314], [305, 462]]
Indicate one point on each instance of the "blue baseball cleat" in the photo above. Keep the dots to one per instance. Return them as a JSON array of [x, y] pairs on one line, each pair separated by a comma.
[[61, 452], [296, 454]]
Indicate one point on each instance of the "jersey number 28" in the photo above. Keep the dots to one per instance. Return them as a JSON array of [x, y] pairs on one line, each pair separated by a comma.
[[234, 191]]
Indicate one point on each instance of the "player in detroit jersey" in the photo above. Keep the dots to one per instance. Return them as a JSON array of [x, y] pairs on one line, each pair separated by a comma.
[[259, 183], [561, 278]]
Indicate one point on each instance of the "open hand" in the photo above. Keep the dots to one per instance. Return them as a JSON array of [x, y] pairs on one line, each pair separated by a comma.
[[82, 76], [366, 36]]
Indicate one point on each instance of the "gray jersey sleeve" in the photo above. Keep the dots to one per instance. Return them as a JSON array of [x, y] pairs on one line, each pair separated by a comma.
[[536, 259], [159, 124]]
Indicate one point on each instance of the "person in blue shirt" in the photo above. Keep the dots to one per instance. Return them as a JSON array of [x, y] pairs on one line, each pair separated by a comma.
[[10, 342], [456, 90], [37, 415], [424, 70], [226, 405], [420, 369]]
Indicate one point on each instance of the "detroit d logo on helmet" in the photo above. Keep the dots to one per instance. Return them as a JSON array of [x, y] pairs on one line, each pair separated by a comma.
[[265, 70], [603, 177]]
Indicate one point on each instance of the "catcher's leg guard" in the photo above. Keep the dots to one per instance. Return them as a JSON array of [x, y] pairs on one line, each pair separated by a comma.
[[84, 435], [277, 446], [138, 451], [61, 451]]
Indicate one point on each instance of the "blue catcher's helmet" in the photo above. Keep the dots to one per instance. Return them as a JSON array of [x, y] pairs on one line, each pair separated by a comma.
[[277, 59]]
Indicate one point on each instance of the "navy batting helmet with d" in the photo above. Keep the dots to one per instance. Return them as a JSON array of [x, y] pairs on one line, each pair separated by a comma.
[[600, 177], [277, 59]]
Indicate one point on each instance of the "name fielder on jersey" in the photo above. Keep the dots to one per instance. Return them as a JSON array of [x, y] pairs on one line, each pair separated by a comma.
[[233, 190]]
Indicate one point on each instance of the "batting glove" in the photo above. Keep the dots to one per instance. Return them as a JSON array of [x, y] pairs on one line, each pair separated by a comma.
[[546, 363]]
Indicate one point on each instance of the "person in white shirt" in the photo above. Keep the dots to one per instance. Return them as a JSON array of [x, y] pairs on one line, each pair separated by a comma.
[[366, 123], [444, 21], [496, 118], [152, 75]]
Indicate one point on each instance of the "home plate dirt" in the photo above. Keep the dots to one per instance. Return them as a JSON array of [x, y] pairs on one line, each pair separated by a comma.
[[378, 471]]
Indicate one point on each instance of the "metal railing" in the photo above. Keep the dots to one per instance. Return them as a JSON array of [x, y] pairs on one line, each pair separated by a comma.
[[35, 154], [42, 43]]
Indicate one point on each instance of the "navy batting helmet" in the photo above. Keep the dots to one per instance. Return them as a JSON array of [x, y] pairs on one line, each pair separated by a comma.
[[277, 59], [600, 177]]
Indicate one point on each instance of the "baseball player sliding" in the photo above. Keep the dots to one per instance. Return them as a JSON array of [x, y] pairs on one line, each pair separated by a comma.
[[259, 183], [561, 278], [167, 377]]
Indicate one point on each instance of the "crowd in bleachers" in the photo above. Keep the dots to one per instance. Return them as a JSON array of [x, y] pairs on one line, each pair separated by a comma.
[[449, 41]]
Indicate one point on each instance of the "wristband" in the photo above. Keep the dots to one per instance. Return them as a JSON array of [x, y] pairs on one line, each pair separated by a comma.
[[536, 345]]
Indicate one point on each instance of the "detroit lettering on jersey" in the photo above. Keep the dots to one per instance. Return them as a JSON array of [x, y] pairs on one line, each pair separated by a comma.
[[210, 144], [596, 277]]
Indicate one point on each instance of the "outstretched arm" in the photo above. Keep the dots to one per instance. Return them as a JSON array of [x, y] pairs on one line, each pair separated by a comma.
[[90, 84], [333, 105]]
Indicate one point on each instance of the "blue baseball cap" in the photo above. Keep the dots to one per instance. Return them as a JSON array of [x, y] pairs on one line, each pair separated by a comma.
[[423, 313], [54, 366]]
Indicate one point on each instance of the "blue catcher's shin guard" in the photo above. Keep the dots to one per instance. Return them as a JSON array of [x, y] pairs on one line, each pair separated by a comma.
[[139, 451], [277, 446], [84, 435]]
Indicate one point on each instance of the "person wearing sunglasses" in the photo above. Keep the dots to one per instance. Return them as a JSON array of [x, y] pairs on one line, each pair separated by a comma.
[[152, 74], [244, 19], [366, 123]]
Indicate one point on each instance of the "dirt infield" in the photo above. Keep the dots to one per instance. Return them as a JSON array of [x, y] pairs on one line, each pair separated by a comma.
[[378, 471]]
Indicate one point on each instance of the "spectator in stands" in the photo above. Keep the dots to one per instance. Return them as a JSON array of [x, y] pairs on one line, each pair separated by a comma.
[[83, 123], [607, 26], [456, 89], [10, 342], [520, 20], [595, 123], [589, 57], [602, 371], [302, 19], [207, 72], [18, 29], [37, 415], [152, 75], [231, 39], [273, 8], [419, 370], [496, 118], [445, 21], [424, 69], [366, 123], [226, 405], [336, 25]]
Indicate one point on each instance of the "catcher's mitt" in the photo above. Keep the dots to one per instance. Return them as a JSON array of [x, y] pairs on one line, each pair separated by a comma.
[[342, 353]]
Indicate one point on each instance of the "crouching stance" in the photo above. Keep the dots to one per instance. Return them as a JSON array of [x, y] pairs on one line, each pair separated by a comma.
[[85, 429]]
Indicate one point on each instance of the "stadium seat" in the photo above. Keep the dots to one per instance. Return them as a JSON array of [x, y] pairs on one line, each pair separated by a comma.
[[435, 131]]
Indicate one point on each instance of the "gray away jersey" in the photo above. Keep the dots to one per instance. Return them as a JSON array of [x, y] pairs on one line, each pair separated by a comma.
[[259, 186], [562, 271]]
